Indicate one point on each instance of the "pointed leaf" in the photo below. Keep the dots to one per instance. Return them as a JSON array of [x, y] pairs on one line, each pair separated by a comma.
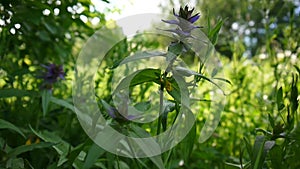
[[62, 103], [93, 154], [279, 99], [139, 77], [173, 89], [4, 93], [7, 125], [214, 33], [157, 160], [248, 147], [46, 94], [298, 69], [276, 157], [25, 148], [271, 121], [143, 106], [187, 72], [187, 143], [258, 152], [222, 79], [138, 56], [60, 146], [15, 163], [214, 72]]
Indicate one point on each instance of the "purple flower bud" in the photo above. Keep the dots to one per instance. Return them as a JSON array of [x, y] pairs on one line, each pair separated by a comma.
[[187, 14], [194, 18], [175, 22]]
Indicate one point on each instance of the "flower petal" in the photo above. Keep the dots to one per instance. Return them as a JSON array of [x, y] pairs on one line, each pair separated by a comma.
[[194, 18], [131, 117], [178, 32], [62, 76], [171, 21], [175, 13], [112, 112]]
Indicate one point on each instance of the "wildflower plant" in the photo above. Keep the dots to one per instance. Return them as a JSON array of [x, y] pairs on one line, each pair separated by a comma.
[[123, 120], [52, 74]]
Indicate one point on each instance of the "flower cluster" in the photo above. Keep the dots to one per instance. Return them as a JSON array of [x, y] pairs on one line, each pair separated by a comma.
[[185, 22], [52, 74]]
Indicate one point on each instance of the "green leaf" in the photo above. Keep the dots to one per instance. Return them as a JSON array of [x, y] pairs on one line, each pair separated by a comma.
[[170, 56], [72, 156], [43, 35], [139, 77], [208, 22], [157, 160], [168, 107], [146, 75], [234, 166], [298, 69], [175, 48], [138, 56], [139, 132], [143, 106], [279, 99], [271, 121], [51, 27], [62, 103], [174, 90], [187, 143], [25, 148], [294, 95], [15, 163], [276, 157], [248, 147], [187, 72], [4, 93], [214, 33], [184, 71], [224, 80], [61, 147], [46, 95], [214, 72], [93, 154], [7, 125], [148, 146], [121, 164], [258, 157], [106, 106]]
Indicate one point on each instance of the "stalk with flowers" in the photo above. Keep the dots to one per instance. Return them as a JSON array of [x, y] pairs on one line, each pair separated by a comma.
[[176, 80], [184, 22]]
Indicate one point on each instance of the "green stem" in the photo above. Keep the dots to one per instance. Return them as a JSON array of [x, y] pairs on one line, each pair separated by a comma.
[[161, 106]]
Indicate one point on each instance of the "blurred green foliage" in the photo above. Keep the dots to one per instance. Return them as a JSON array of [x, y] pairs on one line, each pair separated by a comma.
[[260, 123]]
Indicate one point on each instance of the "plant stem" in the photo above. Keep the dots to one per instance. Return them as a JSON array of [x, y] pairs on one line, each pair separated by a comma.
[[161, 106]]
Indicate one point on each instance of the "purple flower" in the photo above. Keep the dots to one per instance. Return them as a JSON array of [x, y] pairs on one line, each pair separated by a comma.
[[112, 112], [184, 21], [120, 114], [53, 73]]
